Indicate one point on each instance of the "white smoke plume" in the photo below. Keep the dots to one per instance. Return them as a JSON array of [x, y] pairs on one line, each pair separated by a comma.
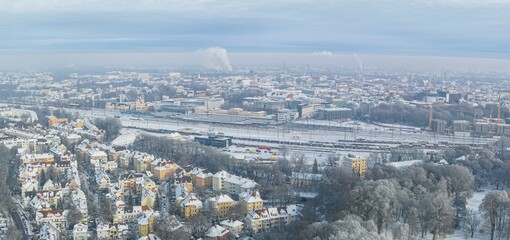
[[215, 58], [358, 60]]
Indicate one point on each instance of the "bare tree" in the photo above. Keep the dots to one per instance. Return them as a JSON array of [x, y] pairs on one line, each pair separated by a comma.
[[332, 160], [198, 225], [441, 213], [493, 207], [168, 226], [472, 221], [299, 162], [238, 211], [74, 216], [111, 127]]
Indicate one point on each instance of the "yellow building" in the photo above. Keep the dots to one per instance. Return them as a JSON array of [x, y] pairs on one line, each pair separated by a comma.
[[190, 206], [146, 223], [142, 161], [148, 199], [53, 120], [149, 185], [164, 170], [222, 204], [143, 227], [37, 158], [359, 165], [80, 123], [131, 180], [141, 105], [201, 177], [251, 200]]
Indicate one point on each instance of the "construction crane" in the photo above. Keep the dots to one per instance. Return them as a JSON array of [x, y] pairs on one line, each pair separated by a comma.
[[431, 112]]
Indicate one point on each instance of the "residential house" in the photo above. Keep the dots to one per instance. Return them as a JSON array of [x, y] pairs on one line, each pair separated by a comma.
[[58, 217], [221, 204], [190, 206], [251, 200], [163, 170], [102, 178], [217, 232], [80, 232], [97, 157], [49, 231], [201, 177], [268, 218], [37, 158], [142, 161], [146, 223], [229, 183], [234, 226], [111, 231], [303, 180]]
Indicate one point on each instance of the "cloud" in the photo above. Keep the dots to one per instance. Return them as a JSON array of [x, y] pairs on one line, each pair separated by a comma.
[[425, 27], [215, 58], [212, 6], [323, 53]]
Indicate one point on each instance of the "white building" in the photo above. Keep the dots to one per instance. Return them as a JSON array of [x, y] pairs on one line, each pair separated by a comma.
[[80, 232], [229, 183]]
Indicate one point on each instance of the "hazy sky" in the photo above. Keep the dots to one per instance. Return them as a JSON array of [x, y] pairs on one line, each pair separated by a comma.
[[452, 28]]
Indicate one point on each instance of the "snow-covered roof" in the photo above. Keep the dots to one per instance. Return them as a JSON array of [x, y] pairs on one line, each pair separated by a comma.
[[231, 224], [191, 200], [404, 164], [251, 196], [216, 231], [80, 228], [223, 198]]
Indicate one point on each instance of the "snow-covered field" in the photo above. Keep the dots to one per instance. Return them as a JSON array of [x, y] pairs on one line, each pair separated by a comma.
[[128, 135]]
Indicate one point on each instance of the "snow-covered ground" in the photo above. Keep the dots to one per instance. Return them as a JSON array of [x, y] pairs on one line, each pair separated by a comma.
[[128, 135], [473, 203]]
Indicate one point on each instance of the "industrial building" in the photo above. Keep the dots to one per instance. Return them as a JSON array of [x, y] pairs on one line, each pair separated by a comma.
[[214, 141], [334, 113], [460, 125], [482, 128], [439, 126]]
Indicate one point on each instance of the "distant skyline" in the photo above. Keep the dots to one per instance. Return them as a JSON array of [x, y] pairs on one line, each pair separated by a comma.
[[320, 28]]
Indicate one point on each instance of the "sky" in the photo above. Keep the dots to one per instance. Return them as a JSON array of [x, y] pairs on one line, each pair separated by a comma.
[[57, 30]]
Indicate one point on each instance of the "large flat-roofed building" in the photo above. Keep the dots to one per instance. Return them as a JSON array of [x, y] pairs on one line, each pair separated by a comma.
[[453, 97], [308, 110], [460, 125], [482, 128], [334, 113], [214, 141], [439, 126]]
